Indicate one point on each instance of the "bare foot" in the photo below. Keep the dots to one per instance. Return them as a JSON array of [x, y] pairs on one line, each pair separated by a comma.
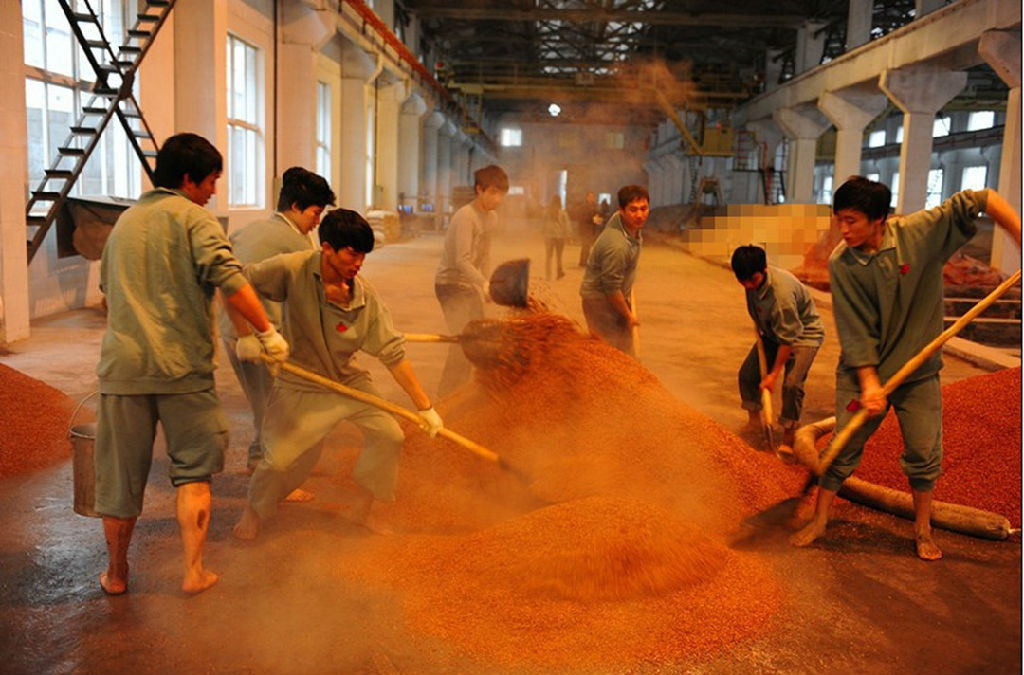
[[806, 535], [926, 548], [199, 582], [113, 585], [248, 526], [298, 495]]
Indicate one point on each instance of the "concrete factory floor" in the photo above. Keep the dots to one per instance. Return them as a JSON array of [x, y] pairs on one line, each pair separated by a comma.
[[860, 602]]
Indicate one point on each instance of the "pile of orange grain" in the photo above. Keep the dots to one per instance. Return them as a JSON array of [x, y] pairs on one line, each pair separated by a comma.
[[611, 552], [34, 419], [596, 584]]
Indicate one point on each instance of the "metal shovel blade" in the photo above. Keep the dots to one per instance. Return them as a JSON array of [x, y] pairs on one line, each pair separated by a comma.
[[509, 282]]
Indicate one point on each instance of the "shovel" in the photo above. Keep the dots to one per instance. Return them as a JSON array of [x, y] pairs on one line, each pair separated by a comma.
[[509, 282], [484, 341], [390, 407], [840, 440], [766, 398]]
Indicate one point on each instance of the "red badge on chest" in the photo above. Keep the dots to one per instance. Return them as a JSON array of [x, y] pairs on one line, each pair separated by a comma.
[[904, 268], [341, 327]]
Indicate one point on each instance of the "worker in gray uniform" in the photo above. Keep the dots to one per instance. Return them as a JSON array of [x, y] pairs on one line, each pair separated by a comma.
[[303, 197], [330, 314], [607, 286], [160, 267], [886, 279], [791, 331], [460, 283]]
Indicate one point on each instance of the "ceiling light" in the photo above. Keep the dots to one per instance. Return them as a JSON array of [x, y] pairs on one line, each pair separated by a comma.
[[554, 109]]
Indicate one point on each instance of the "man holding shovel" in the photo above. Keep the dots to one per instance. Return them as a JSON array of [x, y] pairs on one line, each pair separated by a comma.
[[460, 283], [886, 279], [790, 329], [611, 270], [330, 314]]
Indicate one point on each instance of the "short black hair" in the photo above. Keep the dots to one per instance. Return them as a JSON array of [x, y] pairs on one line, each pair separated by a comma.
[[629, 193], [748, 261], [491, 176], [186, 155], [861, 194], [343, 228], [304, 189]]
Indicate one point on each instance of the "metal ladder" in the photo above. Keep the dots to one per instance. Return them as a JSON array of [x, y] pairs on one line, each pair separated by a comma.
[[111, 95]]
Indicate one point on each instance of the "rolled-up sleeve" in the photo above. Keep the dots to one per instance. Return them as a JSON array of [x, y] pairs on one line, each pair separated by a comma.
[[214, 261], [382, 340]]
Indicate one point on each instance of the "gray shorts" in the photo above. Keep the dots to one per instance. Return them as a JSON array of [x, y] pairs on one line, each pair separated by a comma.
[[196, 431]]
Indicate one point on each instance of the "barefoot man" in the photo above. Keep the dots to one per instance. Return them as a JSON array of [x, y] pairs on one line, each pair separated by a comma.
[[330, 314], [160, 267], [886, 281]]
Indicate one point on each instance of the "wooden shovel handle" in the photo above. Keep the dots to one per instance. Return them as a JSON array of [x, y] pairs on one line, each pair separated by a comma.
[[766, 396], [383, 404], [429, 337], [841, 438]]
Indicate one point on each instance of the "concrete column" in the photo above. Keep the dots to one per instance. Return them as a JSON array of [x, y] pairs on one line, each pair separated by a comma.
[[1002, 51], [410, 124], [200, 46], [802, 124], [303, 32], [919, 91], [858, 23], [428, 184], [390, 98], [808, 47], [444, 165], [461, 146], [850, 110], [14, 300], [772, 69], [356, 67]]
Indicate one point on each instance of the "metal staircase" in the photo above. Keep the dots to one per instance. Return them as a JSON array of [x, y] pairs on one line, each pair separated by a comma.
[[111, 96]]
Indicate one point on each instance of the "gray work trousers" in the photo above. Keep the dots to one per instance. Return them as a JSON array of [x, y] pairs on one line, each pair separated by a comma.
[[795, 374]]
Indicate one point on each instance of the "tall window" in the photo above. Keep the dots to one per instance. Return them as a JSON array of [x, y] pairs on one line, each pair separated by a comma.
[[323, 130], [511, 137], [981, 119], [876, 139], [55, 92], [934, 195], [974, 177], [245, 126], [894, 187]]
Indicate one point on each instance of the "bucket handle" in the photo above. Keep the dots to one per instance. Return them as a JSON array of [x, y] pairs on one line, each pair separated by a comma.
[[71, 422]]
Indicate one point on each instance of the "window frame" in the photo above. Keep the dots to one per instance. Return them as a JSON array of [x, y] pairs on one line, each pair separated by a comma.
[[246, 187]]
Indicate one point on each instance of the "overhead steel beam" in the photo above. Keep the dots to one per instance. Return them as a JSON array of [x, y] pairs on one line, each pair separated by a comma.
[[649, 18]]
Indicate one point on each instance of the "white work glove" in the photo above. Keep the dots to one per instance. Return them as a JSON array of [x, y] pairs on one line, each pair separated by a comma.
[[431, 421], [248, 348], [275, 346]]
